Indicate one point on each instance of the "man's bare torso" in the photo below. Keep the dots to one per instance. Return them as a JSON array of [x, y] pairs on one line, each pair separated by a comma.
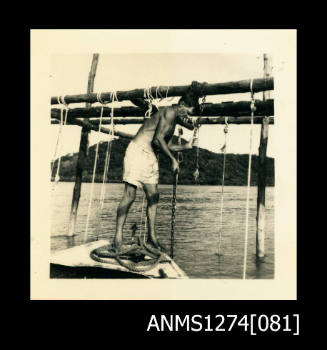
[[145, 135]]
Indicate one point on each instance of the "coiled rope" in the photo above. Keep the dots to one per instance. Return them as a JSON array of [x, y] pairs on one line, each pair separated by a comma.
[[223, 149], [63, 121], [126, 254], [252, 106]]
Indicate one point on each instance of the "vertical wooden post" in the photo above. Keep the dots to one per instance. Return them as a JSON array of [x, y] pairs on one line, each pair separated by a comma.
[[262, 173], [82, 153]]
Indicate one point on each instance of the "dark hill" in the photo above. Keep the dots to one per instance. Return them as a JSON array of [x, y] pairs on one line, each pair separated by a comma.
[[210, 166]]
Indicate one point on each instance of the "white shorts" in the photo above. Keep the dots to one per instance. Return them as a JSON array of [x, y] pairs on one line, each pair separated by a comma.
[[140, 165]]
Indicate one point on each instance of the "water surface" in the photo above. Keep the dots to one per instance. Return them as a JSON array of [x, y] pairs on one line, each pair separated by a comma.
[[196, 231]]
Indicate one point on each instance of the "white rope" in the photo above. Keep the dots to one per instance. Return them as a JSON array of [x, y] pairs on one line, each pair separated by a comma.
[[63, 121], [149, 98], [248, 184], [113, 98], [172, 97], [222, 186], [94, 171], [159, 93], [58, 136]]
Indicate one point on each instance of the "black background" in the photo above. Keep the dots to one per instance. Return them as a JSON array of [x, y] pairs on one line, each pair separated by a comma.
[[95, 322]]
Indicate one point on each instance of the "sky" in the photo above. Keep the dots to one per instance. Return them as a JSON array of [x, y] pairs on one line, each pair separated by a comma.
[[69, 75]]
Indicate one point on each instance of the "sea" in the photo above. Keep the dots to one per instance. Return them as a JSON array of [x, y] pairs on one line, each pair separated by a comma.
[[206, 243]]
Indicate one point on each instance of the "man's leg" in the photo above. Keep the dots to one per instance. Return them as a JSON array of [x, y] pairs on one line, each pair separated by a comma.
[[152, 196], [122, 211]]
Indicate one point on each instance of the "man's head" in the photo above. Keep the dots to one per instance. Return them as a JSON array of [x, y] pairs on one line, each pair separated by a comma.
[[189, 102]]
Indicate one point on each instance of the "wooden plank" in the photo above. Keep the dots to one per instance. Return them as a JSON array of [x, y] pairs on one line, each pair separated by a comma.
[[232, 87]]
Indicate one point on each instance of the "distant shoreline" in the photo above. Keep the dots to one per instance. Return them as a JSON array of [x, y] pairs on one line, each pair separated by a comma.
[[210, 166]]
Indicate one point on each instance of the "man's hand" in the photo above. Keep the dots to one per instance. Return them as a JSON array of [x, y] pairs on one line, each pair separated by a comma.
[[189, 144], [174, 166]]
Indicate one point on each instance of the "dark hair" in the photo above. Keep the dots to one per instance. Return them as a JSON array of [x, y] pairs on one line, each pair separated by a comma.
[[191, 97]]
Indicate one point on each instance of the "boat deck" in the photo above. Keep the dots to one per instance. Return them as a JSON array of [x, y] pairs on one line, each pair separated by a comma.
[[76, 263]]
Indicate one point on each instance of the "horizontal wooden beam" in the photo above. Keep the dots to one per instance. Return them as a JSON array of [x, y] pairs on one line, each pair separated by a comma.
[[232, 87], [233, 109], [202, 121], [92, 126]]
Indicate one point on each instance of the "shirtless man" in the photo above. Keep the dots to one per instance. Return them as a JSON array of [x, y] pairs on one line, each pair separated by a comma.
[[141, 168]]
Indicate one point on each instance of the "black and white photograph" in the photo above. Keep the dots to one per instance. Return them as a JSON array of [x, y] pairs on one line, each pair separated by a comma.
[[164, 171]]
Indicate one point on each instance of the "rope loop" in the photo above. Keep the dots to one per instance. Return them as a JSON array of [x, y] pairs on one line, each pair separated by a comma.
[[172, 97], [99, 99], [149, 98], [223, 149], [252, 105], [251, 88], [158, 92], [113, 98], [226, 125]]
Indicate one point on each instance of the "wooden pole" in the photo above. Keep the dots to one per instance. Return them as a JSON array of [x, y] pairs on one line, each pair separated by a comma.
[[93, 125], [202, 120], [262, 172], [231, 87], [82, 153], [234, 109]]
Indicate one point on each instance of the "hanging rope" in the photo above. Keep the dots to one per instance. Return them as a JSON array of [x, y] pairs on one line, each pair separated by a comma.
[[173, 219], [149, 98], [196, 173], [223, 149], [63, 121], [174, 197], [113, 99], [196, 135], [252, 106], [159, 93], [171, 98], [94, 169], [58, 137]]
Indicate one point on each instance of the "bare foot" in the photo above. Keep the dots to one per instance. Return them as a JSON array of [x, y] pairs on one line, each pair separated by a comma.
[[117, 244]]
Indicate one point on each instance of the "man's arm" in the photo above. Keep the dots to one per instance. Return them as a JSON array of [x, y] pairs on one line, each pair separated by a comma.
[[159, 136], [140, 102], [186, 121]]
